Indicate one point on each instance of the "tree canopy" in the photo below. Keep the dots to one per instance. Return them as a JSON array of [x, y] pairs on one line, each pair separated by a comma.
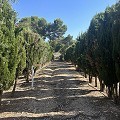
[[97, 50]]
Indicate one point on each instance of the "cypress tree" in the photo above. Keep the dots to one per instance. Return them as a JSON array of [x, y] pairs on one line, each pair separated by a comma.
[[21, 56], [8, 46], [116, 40]]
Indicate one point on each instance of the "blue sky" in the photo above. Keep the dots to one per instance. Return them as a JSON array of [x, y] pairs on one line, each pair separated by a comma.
[[76, 14]]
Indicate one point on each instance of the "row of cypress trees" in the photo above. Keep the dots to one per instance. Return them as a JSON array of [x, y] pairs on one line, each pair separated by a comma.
[[20, 48], [97, 51]]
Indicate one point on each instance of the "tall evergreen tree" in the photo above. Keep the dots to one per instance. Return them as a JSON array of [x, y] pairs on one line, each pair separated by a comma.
[[21, 56], [8, 46]]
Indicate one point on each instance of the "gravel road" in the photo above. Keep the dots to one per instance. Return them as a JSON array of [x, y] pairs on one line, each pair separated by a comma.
[[59, 93]]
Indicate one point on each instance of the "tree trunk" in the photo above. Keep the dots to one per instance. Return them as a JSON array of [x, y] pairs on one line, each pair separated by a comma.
[[14, 87], [27, 76], [27, 79], [115, 95], [115, 88], [119, 90], [90, 78], [85, 75], [15, 83], [100, 85], [96, 81], [1, 92], [109, 91], [74, 65]]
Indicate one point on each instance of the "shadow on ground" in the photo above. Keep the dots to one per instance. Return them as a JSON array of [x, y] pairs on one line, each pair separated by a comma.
[[58, 89]]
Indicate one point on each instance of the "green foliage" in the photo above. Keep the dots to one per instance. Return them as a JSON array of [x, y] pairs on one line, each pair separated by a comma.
[[20, 45], [80, 53], [65, 43], [35, 24], [69, 55], [60, 45], [97, 51], [8, 46], [116, 38], [52, 31], [56, 29], [37, 51], [21, 52]]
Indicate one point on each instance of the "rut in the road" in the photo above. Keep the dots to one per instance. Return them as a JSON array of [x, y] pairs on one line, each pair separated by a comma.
[[60, 93]]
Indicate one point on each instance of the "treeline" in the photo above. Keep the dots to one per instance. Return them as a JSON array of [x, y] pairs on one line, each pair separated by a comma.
[[20, 48], [97, 51], [52, 31]]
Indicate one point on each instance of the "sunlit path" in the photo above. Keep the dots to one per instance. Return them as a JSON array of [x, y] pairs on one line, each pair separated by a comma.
[[59, 93]]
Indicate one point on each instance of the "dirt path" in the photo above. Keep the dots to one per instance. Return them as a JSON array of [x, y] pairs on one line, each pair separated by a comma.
[[59, 93]]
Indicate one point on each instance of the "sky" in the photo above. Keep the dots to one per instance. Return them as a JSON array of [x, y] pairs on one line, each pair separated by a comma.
[[76, 14]]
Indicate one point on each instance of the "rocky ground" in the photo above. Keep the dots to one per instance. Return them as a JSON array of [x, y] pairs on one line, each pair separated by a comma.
[[59, 93]]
